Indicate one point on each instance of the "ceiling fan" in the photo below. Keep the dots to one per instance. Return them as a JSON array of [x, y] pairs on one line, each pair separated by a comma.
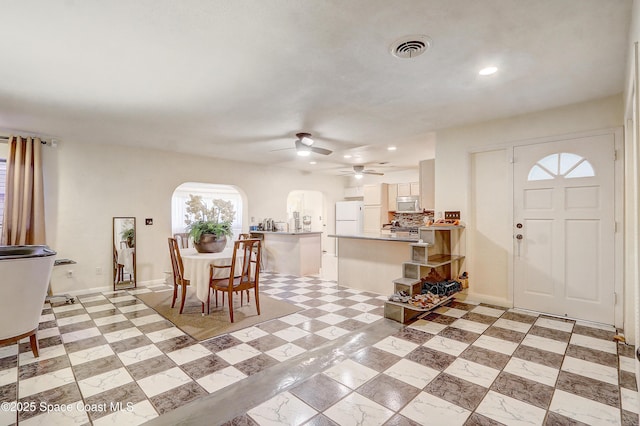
[[359, 171], [304, 146]]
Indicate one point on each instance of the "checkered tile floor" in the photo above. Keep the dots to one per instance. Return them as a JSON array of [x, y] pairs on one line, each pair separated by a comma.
[[110, 359]]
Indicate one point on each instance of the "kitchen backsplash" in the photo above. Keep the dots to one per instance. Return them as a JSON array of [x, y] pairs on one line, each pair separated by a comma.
[[412, 219]]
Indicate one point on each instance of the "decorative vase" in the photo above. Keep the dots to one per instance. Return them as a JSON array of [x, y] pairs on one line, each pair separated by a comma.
[[210, 243]]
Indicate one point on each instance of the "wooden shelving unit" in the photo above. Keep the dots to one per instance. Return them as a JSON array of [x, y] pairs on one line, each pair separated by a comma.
[[441, 250]]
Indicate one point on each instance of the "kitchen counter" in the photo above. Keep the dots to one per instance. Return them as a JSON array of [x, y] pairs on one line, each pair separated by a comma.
[[287, 233], [398, 237], [371, 261], [292, 253]]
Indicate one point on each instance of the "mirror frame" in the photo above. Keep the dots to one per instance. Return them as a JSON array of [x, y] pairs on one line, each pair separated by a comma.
[[133, 281]]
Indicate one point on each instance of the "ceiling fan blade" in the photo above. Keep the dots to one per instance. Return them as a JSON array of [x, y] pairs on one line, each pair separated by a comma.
[[371, 172], [280, 149], [322, 151]]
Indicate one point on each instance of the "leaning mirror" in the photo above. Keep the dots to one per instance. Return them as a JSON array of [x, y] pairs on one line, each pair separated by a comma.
[[124, 252]]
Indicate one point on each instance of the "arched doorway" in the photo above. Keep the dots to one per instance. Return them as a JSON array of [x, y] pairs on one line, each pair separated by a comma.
[[310, 207]]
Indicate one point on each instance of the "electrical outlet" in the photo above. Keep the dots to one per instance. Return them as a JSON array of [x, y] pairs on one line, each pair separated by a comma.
[[452, 215], [98, 270]]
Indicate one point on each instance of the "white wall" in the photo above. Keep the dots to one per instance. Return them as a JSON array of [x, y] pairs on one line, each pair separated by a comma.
[[489, 245], [454, 148], [86, 185], [632, 186]]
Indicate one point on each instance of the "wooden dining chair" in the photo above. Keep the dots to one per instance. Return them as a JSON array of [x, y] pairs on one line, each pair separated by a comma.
[[182, 239], [247, 252], [178, 274], [118, 268]]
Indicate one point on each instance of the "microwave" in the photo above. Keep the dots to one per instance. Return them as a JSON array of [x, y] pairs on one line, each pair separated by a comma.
[[410, 204]]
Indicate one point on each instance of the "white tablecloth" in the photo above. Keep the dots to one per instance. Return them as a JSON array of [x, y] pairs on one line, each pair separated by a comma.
[[196, 268], [125, 257]]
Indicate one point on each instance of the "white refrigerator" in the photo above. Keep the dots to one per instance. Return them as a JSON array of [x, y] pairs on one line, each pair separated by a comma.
[[349, 217]]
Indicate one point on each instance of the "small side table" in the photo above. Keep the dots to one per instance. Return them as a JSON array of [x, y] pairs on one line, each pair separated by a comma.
[[66, 298]]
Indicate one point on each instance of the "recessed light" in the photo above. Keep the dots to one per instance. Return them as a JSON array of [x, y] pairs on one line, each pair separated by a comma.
[[391, 148], [347, 156], [313, 162], [488, 71]]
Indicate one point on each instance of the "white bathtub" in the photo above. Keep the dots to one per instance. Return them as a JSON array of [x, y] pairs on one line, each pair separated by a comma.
[[24, 278]]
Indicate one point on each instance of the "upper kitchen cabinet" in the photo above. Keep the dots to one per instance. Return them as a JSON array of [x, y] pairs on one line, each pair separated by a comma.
[[407, 189], [404, 189], [392, 192], [375, 195], [428, 184], [354, 192], [396, 190]]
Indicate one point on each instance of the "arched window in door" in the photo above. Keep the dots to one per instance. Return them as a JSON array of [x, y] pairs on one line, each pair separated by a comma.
[[564, 164]]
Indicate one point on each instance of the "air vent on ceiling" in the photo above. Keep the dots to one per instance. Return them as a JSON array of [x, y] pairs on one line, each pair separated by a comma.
[[410, 46]]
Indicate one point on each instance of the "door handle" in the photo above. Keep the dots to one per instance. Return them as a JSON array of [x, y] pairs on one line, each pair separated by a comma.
[[519, 237]]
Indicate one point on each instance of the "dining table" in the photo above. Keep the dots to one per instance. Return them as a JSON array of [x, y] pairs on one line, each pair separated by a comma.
[[196, 268]]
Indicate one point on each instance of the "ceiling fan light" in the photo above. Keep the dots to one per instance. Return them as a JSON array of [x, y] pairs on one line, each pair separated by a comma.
[[304, 152], [358, 175]]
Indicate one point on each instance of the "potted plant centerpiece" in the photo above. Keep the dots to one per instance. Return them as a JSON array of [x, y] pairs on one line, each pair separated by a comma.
[[209, 227], [128, 235]]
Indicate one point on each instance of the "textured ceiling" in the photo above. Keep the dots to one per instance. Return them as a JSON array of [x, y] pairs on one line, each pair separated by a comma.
[[237, 79]]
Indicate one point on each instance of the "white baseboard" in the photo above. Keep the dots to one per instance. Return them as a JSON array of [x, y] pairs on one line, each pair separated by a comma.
[[107, 288], [491, 300], [85, 291], [152, 282]]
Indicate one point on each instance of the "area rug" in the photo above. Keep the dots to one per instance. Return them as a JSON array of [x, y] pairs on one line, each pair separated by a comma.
[[200, 327]]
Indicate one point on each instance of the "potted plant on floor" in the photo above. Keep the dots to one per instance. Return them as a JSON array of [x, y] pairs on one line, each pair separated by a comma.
[[209, 227]]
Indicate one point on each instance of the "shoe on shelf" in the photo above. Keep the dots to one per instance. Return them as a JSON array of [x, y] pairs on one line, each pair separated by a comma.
[[400, 296]]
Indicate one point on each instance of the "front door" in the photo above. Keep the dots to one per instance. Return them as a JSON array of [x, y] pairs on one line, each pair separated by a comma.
[[564, 227]]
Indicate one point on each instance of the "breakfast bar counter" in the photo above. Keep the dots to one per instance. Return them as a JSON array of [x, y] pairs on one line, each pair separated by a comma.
[[371, 262], [403, 237], [293, 253]]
